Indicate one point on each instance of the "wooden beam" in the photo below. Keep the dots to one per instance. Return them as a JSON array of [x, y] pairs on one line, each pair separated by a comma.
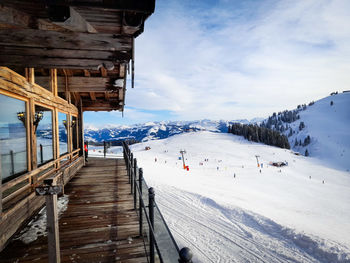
[[12, 82], [86, 73], [122, 69], [64, 40], [101, 105], [107, 95], [92, 96], [79, 84], [76, 23], [12, 18], [30, 75], [103, 72], [53, 81], [59, 63], [52, 229], [60, 58]]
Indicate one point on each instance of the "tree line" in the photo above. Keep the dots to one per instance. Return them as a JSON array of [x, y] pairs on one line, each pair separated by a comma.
[[255, 133]]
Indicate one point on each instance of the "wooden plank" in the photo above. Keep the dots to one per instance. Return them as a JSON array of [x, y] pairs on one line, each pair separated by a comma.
[[59, 63], [66, 40], [62, 53]]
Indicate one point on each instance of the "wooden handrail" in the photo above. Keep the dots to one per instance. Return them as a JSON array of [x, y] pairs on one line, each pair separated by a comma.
[[70, 156]]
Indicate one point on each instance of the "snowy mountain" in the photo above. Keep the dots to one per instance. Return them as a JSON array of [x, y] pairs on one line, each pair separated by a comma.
[[226, 209], [155, 130], [320, 129]]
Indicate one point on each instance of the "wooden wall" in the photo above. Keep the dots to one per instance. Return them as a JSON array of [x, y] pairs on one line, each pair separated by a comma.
[[20, 202]]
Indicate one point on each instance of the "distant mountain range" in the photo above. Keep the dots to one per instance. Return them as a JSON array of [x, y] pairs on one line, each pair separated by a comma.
[[155, 130]]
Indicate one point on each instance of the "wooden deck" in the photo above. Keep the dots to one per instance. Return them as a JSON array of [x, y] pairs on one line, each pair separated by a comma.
[[99, 225]]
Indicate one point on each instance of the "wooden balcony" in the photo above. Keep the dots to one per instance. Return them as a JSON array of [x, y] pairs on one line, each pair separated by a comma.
[[99, 225]]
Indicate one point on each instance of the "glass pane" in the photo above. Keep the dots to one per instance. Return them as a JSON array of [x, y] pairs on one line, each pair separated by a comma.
[[166, 244], [43, 125], [62, 132], [13, 139], [74, 132]]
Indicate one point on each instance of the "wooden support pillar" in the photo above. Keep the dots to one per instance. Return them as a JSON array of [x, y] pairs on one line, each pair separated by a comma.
[[56, 145], [52, 229], [53, 81], [81, 129], [34, 162], [30, 76], [50, 190]]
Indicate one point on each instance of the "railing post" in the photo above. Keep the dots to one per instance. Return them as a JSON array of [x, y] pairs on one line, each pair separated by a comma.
[[134, 182], [140, 200], [132, 176], [104, 149], [130, 167], [50, 192], [41, 154], [12, 163], [185, 255], [151, 218]]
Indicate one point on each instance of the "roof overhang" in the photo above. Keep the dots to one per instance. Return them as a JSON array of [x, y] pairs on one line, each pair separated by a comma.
[[91, 43]]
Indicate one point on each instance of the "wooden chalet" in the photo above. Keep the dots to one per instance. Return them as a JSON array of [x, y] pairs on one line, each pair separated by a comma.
[[59, 58]]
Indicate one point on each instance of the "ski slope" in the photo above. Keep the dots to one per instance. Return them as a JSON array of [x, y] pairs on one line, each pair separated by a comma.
[[329, 128], [226, 210]]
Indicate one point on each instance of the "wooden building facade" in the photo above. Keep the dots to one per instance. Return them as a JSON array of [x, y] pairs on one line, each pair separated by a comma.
[[58, 58]]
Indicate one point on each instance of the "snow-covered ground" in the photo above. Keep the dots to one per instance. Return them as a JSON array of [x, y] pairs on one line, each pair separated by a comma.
[[112, 152], [329, 128], [226, 210]]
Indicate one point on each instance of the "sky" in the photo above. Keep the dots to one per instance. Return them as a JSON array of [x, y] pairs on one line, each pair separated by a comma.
[[235, 59]]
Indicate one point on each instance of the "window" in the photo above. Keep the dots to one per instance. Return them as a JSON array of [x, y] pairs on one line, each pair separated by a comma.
[[62, 132], [13, 137], [43, 131], [74, 132]]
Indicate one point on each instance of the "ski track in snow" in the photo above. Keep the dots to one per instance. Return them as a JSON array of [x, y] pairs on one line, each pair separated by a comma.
[[240, 236]]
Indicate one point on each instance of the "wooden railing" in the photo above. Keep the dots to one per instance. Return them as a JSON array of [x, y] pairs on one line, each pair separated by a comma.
[[28, 181], [162, 245]]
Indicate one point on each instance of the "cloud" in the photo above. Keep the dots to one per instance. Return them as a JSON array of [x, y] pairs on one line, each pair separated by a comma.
[[194, 59]]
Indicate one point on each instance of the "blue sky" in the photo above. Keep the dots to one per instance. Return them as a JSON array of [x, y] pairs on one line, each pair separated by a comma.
[[230, 59]]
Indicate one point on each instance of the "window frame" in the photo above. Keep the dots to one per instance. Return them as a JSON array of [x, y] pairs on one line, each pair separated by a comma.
[[27, 128], [35, 145]]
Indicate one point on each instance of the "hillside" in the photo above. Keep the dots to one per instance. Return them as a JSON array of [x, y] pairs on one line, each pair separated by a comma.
[[229, 210], [328, 127]]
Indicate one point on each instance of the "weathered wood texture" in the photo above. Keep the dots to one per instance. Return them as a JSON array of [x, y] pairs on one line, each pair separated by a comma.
[[12, 82], [18, 213], [99, 225]]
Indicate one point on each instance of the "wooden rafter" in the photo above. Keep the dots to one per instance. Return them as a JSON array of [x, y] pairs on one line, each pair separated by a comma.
[[92, 95]]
